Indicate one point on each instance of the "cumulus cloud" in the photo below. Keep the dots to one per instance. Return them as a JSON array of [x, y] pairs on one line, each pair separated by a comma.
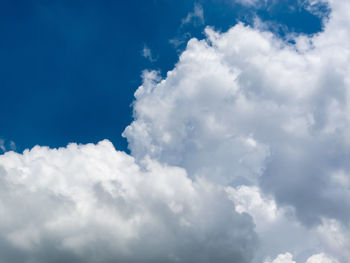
[[246, 108], [240, 154], [284, 258], [244, 105], [321, 258], [91, 203], [317, 258], [249, 2]]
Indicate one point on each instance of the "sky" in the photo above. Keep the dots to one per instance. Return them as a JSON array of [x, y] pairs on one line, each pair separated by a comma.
[[70, 68], [175, 131]]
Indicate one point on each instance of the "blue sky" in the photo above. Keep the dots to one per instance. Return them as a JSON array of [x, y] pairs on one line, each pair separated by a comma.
[[70, 68]]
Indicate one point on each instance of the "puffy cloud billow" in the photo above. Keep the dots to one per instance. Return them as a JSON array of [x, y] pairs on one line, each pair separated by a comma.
[[91, 203], [240, 154]]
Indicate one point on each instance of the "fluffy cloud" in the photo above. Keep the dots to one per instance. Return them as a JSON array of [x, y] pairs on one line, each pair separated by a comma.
[[91, 203], [317, 258], [246, 108], [239, 154], [321, 258], [284, 258]]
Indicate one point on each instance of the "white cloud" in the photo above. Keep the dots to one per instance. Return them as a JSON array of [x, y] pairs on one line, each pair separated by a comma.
[[321, 258], [246, 108], [6, 145], [317, 258], [250, 200], [246, 129], [91, 203], [249, 84], [335, 237], [284, 258]]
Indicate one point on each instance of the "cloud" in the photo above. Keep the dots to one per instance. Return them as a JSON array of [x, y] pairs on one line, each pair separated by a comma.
[[317, 258], [240, 154], [319, 8], [13, 145], [196, 17], [91, 203], [147, 53], [6, 145], [244, 107], [321, 258], [284, 258], [249, 2], [2, 145]]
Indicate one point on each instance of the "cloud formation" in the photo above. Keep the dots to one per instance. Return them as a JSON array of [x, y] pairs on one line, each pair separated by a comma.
[[246, 108], [240, 154], [91, 203]]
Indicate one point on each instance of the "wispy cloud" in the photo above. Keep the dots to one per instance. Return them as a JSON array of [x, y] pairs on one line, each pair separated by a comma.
[[6, 145], [2, 145], [147, 53], [196, 17]]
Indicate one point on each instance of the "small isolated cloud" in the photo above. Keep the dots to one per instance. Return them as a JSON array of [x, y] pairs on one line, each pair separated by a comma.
[[2, 145], [6, 145], [250, 2], [196, 17], [147, 53], [12, 145]]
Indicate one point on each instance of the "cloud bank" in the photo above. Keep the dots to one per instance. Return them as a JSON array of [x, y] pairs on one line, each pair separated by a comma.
[[240, 154], [91, 203]]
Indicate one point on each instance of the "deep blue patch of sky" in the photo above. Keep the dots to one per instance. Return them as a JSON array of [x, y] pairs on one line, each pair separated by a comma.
[[69, 69]]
